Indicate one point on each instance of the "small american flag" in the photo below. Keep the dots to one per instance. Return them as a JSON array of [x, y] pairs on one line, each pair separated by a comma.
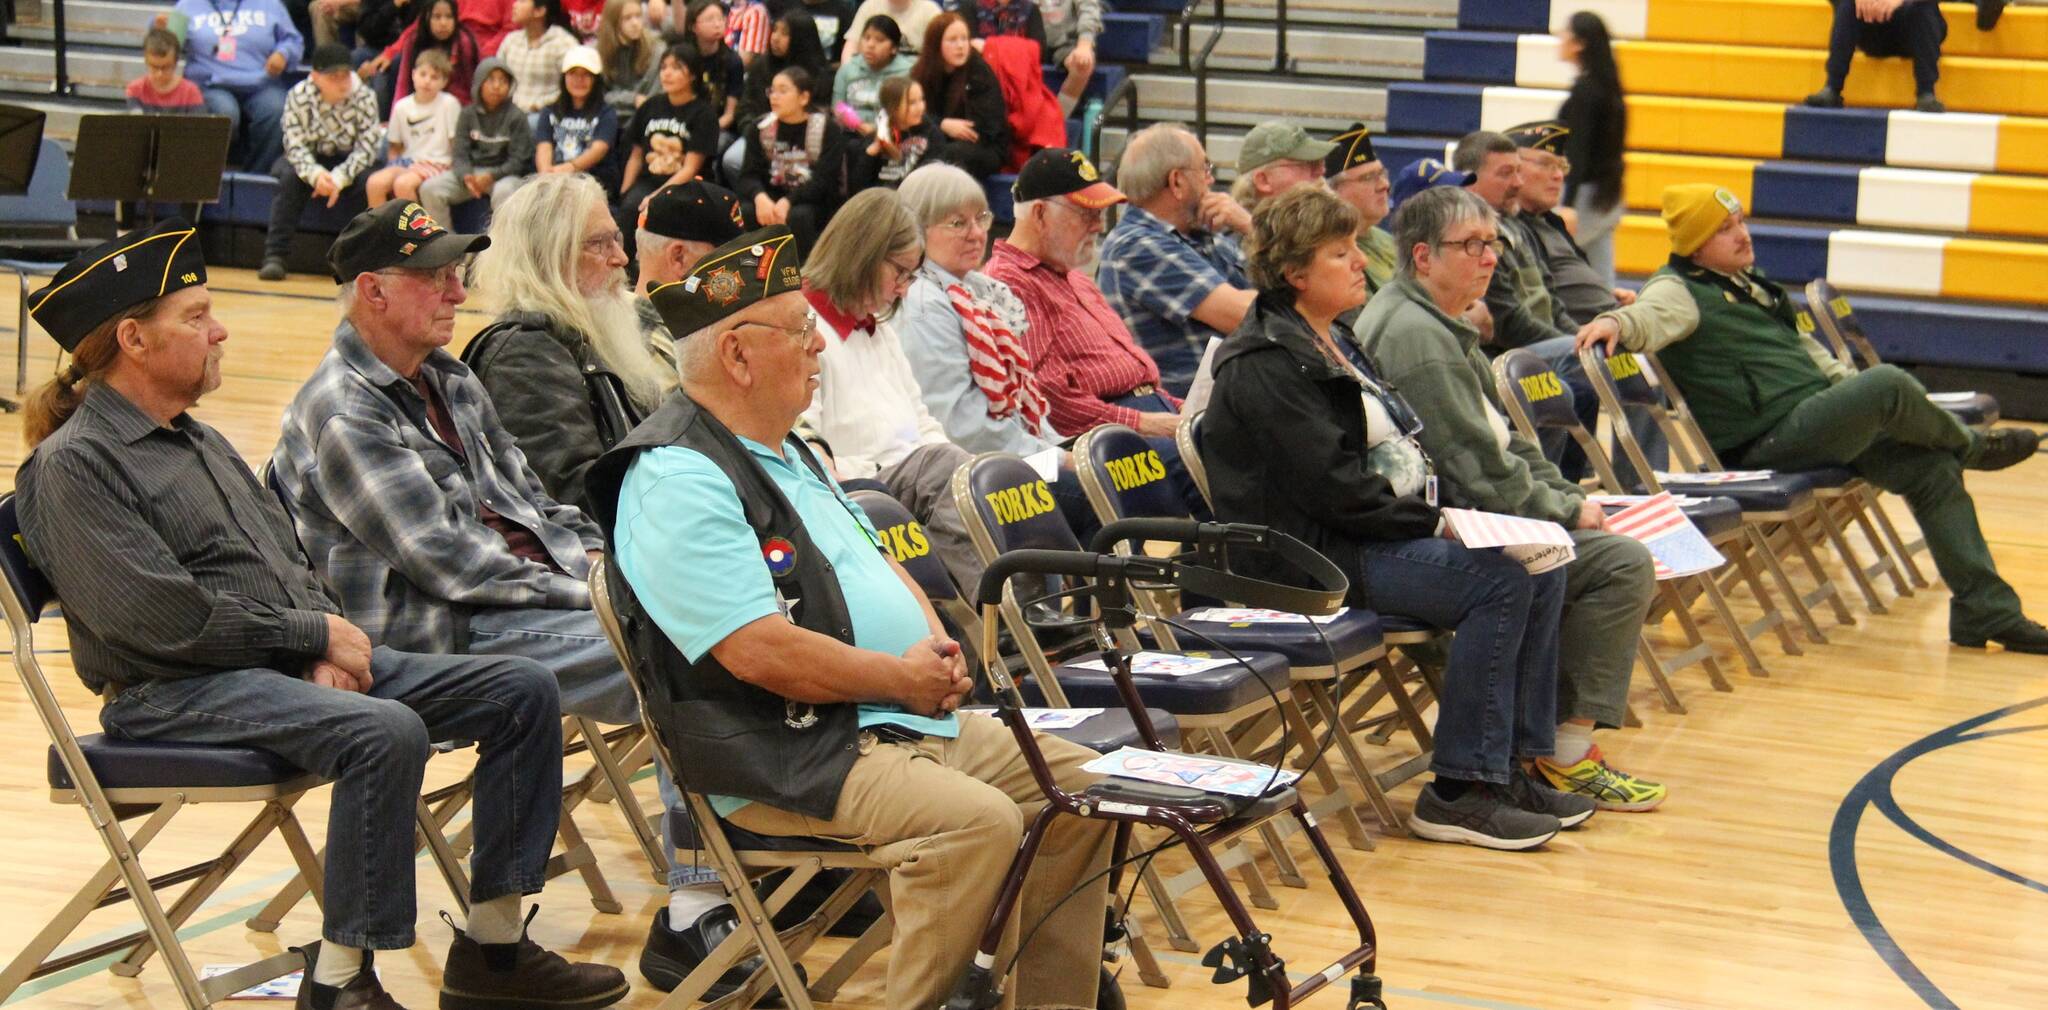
[[1675, 544]]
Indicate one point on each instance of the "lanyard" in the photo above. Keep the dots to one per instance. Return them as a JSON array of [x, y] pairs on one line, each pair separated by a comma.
[[230, 16]]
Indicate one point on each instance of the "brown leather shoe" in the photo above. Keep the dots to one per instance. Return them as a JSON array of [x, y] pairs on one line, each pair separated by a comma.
[[363, 992], [523, 976]]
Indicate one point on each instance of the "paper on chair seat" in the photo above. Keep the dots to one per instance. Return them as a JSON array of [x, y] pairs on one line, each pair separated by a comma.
[[1047, 464], [1538, 544], [1058, 718], [1209, 774], [1952, 399], [1253, 615], [1163, 664], [1714, 476]]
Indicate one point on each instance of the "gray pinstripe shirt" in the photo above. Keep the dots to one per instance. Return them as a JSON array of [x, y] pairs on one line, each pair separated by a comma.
[[172, 561]]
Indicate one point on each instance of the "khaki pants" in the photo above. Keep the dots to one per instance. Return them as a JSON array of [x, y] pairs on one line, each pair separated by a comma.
[[945, 816]]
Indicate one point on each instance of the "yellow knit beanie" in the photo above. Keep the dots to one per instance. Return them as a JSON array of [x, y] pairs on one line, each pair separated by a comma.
[[1694, 211]]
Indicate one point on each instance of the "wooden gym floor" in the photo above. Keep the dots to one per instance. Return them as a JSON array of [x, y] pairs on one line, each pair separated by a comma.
[[1810, 856]]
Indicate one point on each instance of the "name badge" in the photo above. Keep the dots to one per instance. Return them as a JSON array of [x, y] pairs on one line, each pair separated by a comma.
[[224, 50], [1429, 490]]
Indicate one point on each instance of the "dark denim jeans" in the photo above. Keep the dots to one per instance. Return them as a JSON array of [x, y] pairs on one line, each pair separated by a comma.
[[1500, 690], [374, 748]]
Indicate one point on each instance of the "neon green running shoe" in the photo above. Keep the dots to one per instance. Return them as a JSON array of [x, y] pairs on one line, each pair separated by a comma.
[[1610, 788]]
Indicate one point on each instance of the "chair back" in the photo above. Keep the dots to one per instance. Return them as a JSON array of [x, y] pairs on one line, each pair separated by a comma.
[[1124, 477], [1829, 310], [28, 593], [44, 205], [1533, 392], [1187, 437], [904, 537], [1006, 506]]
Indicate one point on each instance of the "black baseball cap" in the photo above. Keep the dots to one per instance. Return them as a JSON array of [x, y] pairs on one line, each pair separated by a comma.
[[399, 234], [1059, 171], [694, 211], [328, 56]]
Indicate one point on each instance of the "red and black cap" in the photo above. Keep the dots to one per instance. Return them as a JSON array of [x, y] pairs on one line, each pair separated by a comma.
[[1059, 171], [399, 234]]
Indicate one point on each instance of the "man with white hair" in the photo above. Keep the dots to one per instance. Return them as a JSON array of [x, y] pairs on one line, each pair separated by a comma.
[[1172, 267]]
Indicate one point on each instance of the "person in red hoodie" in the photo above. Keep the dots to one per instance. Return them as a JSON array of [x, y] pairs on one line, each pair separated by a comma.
[[489, 20]]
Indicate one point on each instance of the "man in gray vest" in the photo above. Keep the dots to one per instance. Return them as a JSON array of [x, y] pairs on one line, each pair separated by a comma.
[[1768, 396], [803, 680]]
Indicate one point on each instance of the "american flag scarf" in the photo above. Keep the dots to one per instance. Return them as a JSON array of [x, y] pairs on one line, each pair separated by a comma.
[[991, 318]]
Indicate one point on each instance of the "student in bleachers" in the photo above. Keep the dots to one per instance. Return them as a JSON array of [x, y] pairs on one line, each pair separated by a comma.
[[493, 147], [534, 52], [1172, 267], [856, 91], [578, 131], [1274, 157], [1089, 366], [421, 134], [962, 93], [1065, 31], [629, 52], [794, 172], [963, 334], [584, 16], [1769, 396], [792, 42], [190, 605], [237, 56], [912, 17], [868, 406], [905, 137], [1302, 435], [1354, 172], [331, 135], [490, 21], [721, 74], [673, 136], [1596, 114], [1914, 29], [437, 29], [161, 88], [1413, 334]]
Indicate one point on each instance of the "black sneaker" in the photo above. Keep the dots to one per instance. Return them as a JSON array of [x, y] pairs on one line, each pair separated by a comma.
[[1479, 817], [2026, 636], [2004, 447], [1825, 98], [273, 270], [1926, 102], [1530, 793], [523, 976], [672, 954]]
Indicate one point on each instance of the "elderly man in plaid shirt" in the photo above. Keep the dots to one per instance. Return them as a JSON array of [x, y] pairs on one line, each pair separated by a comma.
[[1171, 268]]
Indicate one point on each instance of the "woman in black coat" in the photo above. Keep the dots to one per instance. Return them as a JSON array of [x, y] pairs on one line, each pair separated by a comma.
[[1596, 113], [1302, 436], [964, 97]]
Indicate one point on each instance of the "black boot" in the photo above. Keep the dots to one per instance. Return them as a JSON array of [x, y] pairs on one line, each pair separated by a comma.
[[523, 976], [362, 992], [2026, 636], [1988, 12], [672, 954], [2004, 447], [1825, 98]]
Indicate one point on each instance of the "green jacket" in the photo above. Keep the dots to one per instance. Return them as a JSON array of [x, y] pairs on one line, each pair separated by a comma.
[[1381, 257], [1434, 360], [1524, 309]]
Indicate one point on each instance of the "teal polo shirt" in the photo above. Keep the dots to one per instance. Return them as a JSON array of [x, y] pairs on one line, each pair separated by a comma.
[[682, 540]]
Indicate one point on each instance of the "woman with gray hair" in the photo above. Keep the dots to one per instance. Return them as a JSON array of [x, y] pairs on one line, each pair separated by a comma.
[[963, 332], [868, 408], [1301, 435]]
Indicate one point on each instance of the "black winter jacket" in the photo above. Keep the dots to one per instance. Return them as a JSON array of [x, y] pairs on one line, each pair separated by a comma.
[[555, 395], [1284, 444]]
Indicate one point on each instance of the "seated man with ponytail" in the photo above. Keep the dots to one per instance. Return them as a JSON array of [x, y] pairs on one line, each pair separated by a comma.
[[193, 611]]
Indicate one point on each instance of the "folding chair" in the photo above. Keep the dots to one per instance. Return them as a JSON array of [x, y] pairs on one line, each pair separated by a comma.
[[1125, 479], [1110, 730], [36, 252], [1006, 506], [1844, 331], [1408, 635], [1534, 396], [119, 780], [741, 857], [1835, 488]]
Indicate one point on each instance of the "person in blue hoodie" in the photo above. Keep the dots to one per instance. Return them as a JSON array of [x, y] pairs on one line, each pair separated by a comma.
[[237, 52]]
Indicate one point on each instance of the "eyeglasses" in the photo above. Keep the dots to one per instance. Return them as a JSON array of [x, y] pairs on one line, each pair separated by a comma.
[[802, 336], [1085, 214], [1477, 247], [959, 223], [443, 277], [1208, 169], [1548, 163], [599, 244], [904, 274], [1376, 177]]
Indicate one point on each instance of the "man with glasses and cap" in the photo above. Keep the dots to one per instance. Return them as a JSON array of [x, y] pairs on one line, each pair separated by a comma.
[[1353, 171], [193, 611], [1172, 267], [801, 678], [1276, 156]]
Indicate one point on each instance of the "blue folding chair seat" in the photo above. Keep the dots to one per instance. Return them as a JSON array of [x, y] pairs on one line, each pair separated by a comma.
[[1211, 692], [1784, 492], [146, 764], [1715, 517], [1354, 633]]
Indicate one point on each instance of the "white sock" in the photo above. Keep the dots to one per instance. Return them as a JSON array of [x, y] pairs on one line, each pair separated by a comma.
[[688, 902], [496, 920], [1573, 741], [338, 964]]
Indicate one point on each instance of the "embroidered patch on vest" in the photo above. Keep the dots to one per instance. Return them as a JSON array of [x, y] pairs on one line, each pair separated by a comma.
[[780, 555]]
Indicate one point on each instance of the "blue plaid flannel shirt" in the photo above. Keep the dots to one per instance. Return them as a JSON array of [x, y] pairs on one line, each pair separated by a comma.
[[1154, 277]]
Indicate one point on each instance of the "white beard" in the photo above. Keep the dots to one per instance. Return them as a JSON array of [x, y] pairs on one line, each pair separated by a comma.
[[616, 337]]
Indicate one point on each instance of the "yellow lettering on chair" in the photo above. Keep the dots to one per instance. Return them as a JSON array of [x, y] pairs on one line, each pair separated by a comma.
[[1803, 321], [1840, 305], [1541, 387], [906, 541], [1136, 470], [1623, 366]]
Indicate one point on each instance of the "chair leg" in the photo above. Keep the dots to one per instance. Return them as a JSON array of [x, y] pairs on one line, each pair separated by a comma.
[[619, 770], [195, 895], [1697, 650], [576, 855], [1658, 676], [1793, 599], [1862, 508], [30, 962], [1736, 631], [1168, 907], [826, 987], [1900, 549], [1283, 861], [1411, 714], [1773, 619], [1336, 796], [431, 824], [1361, 769], [1831, 527], [1824, 584]]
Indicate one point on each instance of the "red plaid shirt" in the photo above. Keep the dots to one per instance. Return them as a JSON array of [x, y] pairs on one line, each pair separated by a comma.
[[1083, 352]]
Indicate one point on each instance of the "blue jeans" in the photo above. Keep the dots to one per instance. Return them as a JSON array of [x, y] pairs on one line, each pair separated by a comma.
[[256, 113], [592, 684], [1169, 453], [374, 748], [1500, 690]]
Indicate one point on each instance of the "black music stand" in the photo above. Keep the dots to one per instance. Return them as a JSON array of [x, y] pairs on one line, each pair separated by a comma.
[[21, 139], [148, 160]]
